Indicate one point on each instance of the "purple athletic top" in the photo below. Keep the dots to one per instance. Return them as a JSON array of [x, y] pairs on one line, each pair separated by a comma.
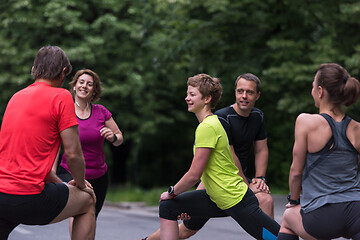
[[92, 142]]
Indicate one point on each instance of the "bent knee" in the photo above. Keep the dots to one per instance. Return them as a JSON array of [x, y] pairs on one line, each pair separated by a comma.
[[285, 219], [265, 199], [166, 211], [89, 202], [82, 199], [289, 215]]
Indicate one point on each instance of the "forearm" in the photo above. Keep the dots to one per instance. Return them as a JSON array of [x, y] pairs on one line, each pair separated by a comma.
[[77, 168], [295, 181], [74, 155], [119, 139], [261, 162], [299, 156], [261, 153], [185, 183], [112, 133]]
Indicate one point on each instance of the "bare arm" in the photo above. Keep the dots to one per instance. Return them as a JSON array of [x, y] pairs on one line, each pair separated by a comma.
[[261, 153], [299, 156], [74, 155], [109, 130]]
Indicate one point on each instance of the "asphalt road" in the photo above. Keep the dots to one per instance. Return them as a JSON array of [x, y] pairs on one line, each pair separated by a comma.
[[132, 221]]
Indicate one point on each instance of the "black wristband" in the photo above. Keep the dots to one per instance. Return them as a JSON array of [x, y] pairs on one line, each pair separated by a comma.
[[291, 201], [115, 138], [262, 178]]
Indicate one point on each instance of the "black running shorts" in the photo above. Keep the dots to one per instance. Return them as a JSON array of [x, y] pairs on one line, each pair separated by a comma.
[[37, 209]]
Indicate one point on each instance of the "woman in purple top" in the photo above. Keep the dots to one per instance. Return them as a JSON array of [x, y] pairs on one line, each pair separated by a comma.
[[95, 125]]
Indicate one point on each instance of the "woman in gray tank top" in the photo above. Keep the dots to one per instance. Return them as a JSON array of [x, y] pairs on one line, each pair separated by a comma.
[[324, 179]]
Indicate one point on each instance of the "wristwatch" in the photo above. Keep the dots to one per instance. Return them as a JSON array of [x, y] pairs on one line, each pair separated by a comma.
[[262, 178], [171, 191], [291, 201]]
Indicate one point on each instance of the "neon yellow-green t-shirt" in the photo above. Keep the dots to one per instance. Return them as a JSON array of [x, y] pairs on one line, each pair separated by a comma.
[[222, 183]]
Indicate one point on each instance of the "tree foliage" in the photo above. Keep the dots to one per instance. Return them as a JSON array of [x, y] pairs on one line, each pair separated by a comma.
[[144, 51]]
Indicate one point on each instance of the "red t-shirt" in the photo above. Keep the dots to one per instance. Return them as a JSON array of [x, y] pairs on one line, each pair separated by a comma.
[[30, 136]]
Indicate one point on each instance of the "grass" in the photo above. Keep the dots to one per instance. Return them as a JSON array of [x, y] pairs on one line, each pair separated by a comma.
[[126, 193], [134, 194]]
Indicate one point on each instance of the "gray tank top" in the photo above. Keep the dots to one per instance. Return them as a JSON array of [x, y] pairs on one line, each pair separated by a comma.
[[331, 175]]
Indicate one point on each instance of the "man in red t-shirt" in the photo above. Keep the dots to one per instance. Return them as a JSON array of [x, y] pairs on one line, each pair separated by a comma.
[[37, 120]]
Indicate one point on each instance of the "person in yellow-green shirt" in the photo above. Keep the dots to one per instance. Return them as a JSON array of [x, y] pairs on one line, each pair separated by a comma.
[[225, 193]]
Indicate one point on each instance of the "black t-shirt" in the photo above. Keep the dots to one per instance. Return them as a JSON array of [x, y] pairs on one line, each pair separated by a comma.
[[242, 131]]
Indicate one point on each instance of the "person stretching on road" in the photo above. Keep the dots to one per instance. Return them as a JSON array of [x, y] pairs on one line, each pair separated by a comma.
[[245, 127], [225, 193], [37, 120]]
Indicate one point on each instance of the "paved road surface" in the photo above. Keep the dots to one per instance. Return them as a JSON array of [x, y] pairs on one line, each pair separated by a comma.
[[133, 221]]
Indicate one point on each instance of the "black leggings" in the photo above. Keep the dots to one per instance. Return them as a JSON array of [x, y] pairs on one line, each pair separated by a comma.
[[100, 186], [196, 223], [246, 213]]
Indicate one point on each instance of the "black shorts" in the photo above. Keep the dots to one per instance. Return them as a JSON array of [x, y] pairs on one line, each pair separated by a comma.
[[37, 209], [333, 221]]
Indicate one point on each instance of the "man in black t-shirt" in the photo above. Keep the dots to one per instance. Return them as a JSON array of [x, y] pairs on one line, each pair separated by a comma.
[[244, 132], [245, 127]]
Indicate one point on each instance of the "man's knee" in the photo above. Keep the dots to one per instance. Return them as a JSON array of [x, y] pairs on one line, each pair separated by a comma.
[[89, 203], [82, 199]]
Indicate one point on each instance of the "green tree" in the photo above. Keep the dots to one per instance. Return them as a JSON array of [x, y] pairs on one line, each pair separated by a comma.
[[144, 51]]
